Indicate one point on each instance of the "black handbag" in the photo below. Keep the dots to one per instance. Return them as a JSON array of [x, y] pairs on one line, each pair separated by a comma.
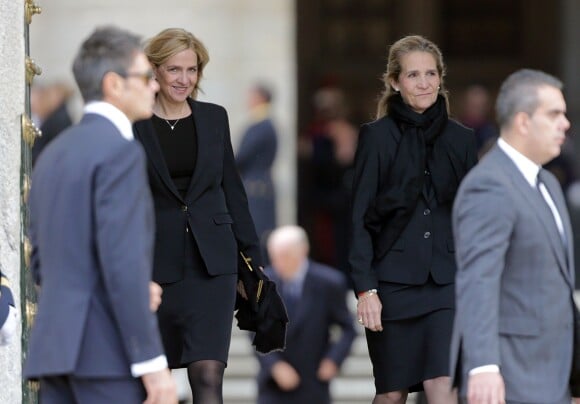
[[263, 311]]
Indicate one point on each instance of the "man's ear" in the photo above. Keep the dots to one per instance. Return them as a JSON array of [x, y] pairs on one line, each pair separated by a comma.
[[112, 85], [521, 122]]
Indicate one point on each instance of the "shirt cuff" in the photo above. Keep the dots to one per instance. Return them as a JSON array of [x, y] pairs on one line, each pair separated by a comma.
[[484, 369], [149, 366]]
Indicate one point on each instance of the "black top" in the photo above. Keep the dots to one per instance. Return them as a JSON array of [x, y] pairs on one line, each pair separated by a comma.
[[179, 147]]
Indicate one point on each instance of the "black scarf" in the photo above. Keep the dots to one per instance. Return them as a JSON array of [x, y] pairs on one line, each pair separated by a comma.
[[420, 151]]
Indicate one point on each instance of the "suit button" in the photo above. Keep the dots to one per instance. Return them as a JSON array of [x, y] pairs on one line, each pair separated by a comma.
[[427, 234], [184, 208], [427, 212]]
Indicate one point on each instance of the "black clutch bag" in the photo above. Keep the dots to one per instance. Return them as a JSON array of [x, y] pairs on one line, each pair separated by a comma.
[[263, 312]]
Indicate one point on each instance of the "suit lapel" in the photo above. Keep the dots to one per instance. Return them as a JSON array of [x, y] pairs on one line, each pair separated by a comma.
[[145, 132], [539, 206]]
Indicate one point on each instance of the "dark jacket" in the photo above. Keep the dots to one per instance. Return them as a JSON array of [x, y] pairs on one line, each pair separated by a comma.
[[91, 229], [215, 208], [426, 244], [322, 305], [254, 160]]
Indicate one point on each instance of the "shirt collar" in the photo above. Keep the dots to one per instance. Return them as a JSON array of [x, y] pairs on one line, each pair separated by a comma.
[[113, 114], [527, 167]]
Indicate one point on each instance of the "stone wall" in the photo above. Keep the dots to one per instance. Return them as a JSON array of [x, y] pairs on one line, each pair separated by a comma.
[[12, 92]]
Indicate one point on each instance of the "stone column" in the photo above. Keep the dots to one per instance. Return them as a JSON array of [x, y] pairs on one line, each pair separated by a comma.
[[12, 94]]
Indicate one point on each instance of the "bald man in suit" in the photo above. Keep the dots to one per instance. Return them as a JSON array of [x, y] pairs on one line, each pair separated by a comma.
[[315, 297]]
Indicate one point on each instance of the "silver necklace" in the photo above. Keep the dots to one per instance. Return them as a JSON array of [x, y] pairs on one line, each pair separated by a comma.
[[170, 125]]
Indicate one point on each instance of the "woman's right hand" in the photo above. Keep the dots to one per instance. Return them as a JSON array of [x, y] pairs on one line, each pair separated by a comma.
[[369, 310]]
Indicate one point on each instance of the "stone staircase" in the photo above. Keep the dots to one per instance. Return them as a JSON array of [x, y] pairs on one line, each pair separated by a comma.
[[354, 385]]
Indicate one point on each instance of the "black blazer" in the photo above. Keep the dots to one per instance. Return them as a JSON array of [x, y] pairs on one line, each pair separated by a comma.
[[215, 208], [426, 244]]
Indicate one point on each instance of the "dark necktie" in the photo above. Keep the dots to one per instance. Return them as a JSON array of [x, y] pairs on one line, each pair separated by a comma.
[[541, 183], [290, 295]]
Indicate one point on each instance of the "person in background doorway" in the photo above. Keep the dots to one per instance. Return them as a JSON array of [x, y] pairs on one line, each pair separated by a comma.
[[476, 114], [255, 158]]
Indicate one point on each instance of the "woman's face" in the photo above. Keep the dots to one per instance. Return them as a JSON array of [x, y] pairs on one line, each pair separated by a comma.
[[178, 76], [419, 80]]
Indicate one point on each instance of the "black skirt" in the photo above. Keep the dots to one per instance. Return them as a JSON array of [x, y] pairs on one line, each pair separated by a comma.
[[415, 347], [196, 313]]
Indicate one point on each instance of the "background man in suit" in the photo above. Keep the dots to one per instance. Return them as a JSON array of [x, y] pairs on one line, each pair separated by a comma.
[[8, 321], [91, 227], [255, 158], [314, 295], [48, 105], [513, 330]]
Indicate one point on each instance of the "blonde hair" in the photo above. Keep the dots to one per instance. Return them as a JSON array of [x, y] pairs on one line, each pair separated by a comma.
[[170, 42], [408, 44]]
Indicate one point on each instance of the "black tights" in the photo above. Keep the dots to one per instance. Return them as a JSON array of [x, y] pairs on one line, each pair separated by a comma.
[[206, 378]]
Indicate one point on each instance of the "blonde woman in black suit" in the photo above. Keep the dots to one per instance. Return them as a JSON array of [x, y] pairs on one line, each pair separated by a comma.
[[202, 216], [408, 166]]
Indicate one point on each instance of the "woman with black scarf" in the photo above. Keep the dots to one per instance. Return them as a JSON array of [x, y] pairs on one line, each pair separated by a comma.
[[408, 166]]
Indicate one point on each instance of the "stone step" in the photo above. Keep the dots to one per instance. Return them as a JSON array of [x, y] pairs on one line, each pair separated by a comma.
[[241, 345], [353, 366]]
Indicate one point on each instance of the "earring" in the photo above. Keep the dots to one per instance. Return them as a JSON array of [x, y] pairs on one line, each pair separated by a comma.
[[396, 89]]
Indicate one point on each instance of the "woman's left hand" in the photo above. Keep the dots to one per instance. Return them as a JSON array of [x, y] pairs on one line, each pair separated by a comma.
[[369, 310]]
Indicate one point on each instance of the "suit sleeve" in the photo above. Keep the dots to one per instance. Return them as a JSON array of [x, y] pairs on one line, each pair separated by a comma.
[[237, 201], [124, 242], [6, 299], [482, 233], [269, 360], [365, 185], [341, 316]]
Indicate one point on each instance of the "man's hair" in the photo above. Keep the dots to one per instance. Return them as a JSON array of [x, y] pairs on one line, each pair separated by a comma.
[[289, 235], [264, 91], [107, 49], [519, 93]]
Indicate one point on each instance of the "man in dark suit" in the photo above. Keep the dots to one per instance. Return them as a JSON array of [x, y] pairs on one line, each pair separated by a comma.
[[514, 325], [91, 228], [315, 297], [255, 158], [48, 105], [8, 321]]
